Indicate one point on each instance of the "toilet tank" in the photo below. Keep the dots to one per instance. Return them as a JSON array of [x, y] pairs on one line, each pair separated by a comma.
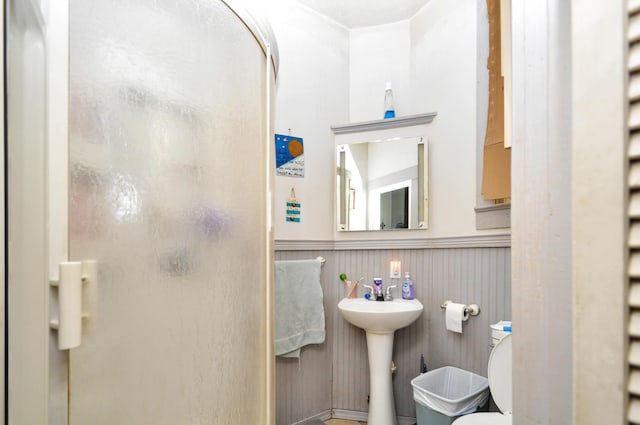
[[499, 330]]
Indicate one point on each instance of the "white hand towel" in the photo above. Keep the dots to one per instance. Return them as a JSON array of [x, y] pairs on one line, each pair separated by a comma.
[[299, 307]]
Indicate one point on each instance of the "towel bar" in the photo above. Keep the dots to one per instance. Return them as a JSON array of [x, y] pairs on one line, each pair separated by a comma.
[[321, 259]]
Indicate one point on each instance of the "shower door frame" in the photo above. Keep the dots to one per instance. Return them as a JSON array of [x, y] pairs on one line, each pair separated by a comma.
[[3, 247], [55, 15], [52, 18]]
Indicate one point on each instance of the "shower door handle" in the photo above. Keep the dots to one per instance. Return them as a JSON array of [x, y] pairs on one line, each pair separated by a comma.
[[74, 275]]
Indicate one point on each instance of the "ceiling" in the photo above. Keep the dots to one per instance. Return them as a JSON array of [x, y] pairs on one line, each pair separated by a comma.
[[364, 13]]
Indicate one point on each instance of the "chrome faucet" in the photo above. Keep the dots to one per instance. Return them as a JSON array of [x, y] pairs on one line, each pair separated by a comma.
[[388, 296], [375, 294]]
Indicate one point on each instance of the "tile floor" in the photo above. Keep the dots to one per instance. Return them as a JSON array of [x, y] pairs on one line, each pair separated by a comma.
[[343, 422]]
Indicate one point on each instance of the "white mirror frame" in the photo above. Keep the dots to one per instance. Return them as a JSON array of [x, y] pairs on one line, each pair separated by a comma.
[[409, 127]]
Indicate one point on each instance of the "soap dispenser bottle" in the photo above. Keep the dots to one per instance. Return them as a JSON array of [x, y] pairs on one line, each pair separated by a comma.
[[389, 109], [407, 287]]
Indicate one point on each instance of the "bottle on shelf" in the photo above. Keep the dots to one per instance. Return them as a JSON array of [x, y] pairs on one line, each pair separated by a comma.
[[389, 109]]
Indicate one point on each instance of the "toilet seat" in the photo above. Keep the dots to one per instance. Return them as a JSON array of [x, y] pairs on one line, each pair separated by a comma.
[[499, 374]]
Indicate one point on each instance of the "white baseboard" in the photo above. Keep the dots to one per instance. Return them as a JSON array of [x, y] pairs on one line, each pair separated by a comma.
[[354, 415], [351, 415], [404, 420], [323, 416]]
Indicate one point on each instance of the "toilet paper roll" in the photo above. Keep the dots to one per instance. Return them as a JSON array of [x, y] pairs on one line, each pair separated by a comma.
[[454, 317]]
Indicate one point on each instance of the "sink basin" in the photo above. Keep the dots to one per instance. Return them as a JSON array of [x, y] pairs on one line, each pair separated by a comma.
[[380, 319], [380, 316]]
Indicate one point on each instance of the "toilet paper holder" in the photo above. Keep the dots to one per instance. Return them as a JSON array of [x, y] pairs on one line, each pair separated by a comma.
[[470, 309]]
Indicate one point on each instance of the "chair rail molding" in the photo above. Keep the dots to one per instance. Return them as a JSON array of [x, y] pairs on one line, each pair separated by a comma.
[[477, 241]]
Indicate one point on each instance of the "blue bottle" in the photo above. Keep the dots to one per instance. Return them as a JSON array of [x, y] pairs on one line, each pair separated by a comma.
[[407, 287], [389, 110]]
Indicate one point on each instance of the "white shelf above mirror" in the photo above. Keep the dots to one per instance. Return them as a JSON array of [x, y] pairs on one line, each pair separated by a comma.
[[384, 124]]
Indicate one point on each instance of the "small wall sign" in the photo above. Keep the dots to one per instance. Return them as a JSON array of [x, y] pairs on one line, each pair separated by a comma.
[[289, 156], [293, 208]]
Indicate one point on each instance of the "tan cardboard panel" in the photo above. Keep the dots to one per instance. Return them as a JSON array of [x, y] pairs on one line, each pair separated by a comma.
[[496, 179]]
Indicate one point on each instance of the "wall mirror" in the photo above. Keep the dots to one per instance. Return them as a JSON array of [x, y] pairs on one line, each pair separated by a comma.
[[382, 184]]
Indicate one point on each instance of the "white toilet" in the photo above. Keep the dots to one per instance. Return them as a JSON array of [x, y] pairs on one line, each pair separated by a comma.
[[499, 375]]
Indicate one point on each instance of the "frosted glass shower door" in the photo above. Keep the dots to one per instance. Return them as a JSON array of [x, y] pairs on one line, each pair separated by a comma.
[[168, 194]]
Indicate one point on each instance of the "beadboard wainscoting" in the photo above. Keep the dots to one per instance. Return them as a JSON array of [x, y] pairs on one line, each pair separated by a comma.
[[334, 376]]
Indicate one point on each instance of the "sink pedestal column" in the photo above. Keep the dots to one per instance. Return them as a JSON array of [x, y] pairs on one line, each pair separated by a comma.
[[382, 408]]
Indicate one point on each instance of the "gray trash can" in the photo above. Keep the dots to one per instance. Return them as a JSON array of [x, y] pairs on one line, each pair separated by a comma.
[[444, 394]]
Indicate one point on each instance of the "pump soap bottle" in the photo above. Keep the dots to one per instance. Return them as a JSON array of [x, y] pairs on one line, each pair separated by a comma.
[[407, 287], [389, 109]]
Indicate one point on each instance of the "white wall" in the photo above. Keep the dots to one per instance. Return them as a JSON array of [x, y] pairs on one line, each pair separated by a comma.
[[312, 94], [599, 264], [444, 56], [541, 216], [330, 75], [378, 55], [569, 209]]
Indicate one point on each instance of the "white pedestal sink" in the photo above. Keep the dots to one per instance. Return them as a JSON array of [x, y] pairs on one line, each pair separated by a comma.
[[380, 319]]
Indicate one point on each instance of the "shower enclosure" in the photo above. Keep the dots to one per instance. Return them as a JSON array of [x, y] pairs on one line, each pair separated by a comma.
[[144, 151]]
